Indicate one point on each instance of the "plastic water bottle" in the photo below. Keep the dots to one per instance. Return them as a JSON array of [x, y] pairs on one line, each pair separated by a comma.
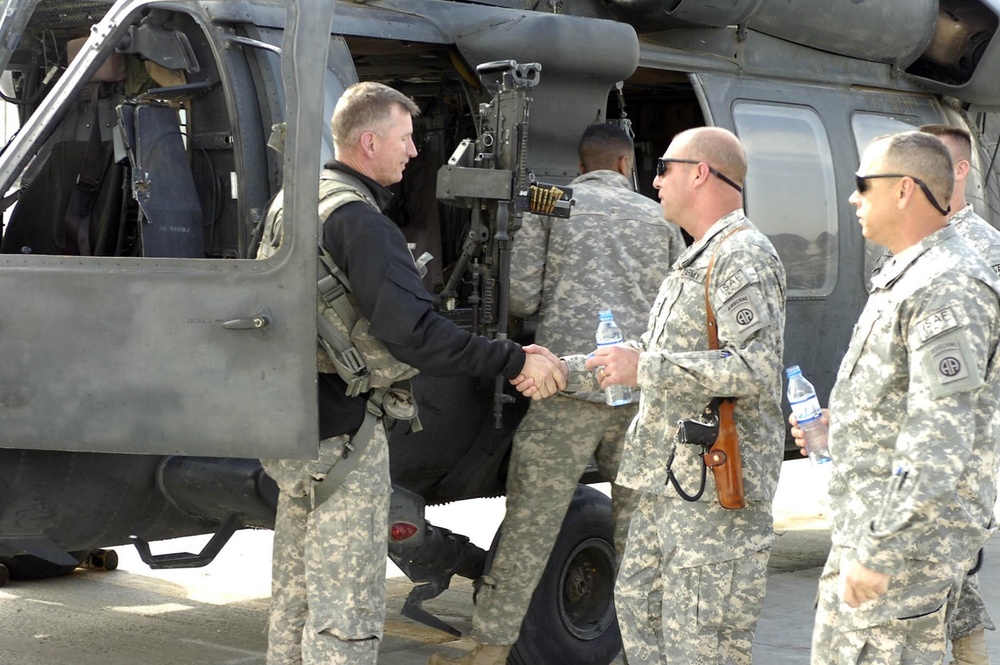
[[806, 408], [609, 333]]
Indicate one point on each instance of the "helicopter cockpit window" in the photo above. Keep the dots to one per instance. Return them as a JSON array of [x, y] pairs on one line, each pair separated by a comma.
[[140, 163], [791, 176]]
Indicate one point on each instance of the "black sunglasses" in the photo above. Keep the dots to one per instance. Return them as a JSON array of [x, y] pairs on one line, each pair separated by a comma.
[[661, 170], [861, 183]]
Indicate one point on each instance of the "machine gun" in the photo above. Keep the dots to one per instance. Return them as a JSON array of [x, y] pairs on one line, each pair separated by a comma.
[[490, 177]]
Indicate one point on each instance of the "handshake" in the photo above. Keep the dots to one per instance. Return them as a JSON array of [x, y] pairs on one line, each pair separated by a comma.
[[543, 374]]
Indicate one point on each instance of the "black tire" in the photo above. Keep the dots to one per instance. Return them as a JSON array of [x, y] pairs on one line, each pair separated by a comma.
[[572, 618]]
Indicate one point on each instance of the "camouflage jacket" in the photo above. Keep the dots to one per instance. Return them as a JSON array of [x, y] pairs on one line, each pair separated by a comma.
[[978, 233], [611, 253], [914, 451], [679, 375]]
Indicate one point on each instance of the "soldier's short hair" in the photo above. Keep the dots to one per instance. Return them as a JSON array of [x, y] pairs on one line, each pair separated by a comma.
[[921, 155], [366, 107], [602, 145], [958, 138]]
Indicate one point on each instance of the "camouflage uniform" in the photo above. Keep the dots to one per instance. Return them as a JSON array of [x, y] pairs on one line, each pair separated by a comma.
[[338, 621], [913, 403], [560, 270], [692, 582], [969, 614]]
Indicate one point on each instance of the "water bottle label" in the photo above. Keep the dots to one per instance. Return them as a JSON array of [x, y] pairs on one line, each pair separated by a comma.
[[806, 409]]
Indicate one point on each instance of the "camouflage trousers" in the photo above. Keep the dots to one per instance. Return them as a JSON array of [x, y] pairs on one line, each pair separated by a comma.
[[328, 566], [551, 450], [969, 613], [905, 625], [691, 586]]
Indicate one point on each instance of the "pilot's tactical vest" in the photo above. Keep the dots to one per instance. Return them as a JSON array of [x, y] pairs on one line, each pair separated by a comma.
[[345, 346]]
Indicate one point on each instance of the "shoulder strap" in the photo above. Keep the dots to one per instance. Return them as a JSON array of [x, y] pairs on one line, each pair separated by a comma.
[[710, 324]]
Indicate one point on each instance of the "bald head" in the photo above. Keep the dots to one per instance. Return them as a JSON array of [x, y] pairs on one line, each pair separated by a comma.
[[700, 178], [717, 147]]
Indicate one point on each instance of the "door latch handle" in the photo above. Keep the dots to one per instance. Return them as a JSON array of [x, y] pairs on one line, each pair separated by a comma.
[[254, 323], [259, 321]]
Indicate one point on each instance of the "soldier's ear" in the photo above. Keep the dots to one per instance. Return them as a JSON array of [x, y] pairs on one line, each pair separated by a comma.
[[962, 168], [624, 165], [367, 142]]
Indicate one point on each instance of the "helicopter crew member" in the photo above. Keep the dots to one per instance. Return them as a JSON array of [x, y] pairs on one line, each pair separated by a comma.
[[559, 272], [330, 543]]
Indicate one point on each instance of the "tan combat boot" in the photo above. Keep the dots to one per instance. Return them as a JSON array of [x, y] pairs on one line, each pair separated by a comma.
[[970, 649], [483, 654]]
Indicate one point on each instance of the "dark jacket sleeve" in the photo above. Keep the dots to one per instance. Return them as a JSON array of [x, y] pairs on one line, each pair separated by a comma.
[[373, 254]]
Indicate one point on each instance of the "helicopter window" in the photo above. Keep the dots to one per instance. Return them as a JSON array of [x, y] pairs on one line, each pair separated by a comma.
[[867, 127], [790, 182], [138, 163]]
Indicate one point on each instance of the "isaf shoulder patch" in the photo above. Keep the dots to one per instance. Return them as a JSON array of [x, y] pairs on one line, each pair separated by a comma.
[[732, 286], [936, 324]]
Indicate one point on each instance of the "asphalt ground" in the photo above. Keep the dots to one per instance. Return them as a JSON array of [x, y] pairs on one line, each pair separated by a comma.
[[217, 615]]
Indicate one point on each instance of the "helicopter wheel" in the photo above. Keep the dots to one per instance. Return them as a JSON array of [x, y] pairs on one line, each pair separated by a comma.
[[101, 560]]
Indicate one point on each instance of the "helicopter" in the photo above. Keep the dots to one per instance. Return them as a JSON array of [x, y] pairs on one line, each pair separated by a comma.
[[149, 359]]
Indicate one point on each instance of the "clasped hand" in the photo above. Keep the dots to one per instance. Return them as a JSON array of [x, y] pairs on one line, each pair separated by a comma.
[[616, 365], [543, 374]]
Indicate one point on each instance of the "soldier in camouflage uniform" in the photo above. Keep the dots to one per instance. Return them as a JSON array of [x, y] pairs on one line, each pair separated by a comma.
[[914, 452], [692, 582], [969, 618], [328, 571], [611, 253]]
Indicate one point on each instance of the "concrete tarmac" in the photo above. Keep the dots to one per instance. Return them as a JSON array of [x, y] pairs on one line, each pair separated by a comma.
[[217, 615]]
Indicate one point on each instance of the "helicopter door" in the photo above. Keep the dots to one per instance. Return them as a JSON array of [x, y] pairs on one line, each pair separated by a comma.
[[173, 343]]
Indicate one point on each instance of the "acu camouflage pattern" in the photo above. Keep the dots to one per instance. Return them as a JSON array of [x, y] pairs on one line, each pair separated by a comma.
[[678, 374], [328, 566], [611, 253], [913, 442], [905, 625], [977, 232], [677, 543], [970, 613], [680, 610], [551, 450]]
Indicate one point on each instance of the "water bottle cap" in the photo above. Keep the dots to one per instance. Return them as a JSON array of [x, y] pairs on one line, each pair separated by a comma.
[[604, 314], [792, 371]]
